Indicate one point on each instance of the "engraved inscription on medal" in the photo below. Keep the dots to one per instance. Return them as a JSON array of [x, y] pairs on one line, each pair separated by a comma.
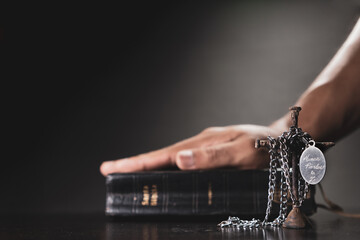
[[312, 165]]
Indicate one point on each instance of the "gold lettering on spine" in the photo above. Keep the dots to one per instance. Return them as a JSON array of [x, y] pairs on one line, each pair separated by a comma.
[[210, 194], [154, 196], [146, 196], [150, 196]]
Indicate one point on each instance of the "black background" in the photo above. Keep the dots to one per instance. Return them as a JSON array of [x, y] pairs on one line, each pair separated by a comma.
[[85, 84]]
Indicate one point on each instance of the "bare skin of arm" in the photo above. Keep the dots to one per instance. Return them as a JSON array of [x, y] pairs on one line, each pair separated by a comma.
[[331, 105], [331, 109]]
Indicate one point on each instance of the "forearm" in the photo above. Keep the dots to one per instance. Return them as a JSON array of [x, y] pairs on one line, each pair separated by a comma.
[[331, 105]]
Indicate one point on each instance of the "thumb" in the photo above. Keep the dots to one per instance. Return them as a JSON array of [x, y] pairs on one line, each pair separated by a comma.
[[206, 157]]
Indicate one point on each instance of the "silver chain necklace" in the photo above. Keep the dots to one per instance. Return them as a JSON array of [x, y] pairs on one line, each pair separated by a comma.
[[279, 157]]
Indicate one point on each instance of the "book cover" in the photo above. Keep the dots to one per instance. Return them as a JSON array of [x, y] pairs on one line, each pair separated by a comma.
[[207, 192]]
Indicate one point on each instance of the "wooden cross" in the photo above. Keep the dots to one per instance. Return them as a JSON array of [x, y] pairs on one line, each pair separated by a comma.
[[295, 218]]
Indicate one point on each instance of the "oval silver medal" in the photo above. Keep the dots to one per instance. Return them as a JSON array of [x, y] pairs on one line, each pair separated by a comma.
[[312, 164]]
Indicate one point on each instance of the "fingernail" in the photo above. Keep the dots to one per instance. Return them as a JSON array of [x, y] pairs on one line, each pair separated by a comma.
[[187, 158]]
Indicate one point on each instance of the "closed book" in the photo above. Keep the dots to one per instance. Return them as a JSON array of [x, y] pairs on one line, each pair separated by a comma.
[[210, 192]]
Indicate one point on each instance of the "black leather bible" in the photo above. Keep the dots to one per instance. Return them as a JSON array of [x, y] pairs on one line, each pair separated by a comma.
[[216, 192]]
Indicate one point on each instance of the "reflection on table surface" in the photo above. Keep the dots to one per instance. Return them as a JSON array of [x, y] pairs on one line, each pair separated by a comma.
[[149, 231], [324, 225]]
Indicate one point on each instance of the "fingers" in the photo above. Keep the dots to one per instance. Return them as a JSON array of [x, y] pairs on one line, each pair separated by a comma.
[[207, 157], [240, 154], [149, 161], [144, 162], [157, 159], [212, 148]]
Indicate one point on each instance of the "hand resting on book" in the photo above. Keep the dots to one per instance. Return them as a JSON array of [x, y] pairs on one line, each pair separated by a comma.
[[330, 110], [214, 147]]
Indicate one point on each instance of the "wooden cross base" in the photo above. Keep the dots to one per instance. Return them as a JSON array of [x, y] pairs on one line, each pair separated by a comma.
[[295, 219]]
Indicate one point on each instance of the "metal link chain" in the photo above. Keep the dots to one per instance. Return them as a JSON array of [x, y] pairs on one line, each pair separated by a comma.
[[284, 163], [283, 199], [272, 178], [278, 156]]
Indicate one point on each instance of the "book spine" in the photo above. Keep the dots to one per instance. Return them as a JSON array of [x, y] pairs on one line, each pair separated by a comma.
[[188, 193]]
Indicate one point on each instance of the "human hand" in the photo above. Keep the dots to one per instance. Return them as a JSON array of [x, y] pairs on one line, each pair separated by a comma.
[[232, 146]]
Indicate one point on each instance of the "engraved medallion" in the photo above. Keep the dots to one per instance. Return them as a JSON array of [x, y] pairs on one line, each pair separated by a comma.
[[312, 164]]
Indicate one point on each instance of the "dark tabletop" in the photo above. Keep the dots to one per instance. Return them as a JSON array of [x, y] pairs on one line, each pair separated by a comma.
[[325, 225]]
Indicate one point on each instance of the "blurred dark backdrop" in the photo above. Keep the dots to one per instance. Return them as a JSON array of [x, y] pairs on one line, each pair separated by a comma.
[[92, 83]]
